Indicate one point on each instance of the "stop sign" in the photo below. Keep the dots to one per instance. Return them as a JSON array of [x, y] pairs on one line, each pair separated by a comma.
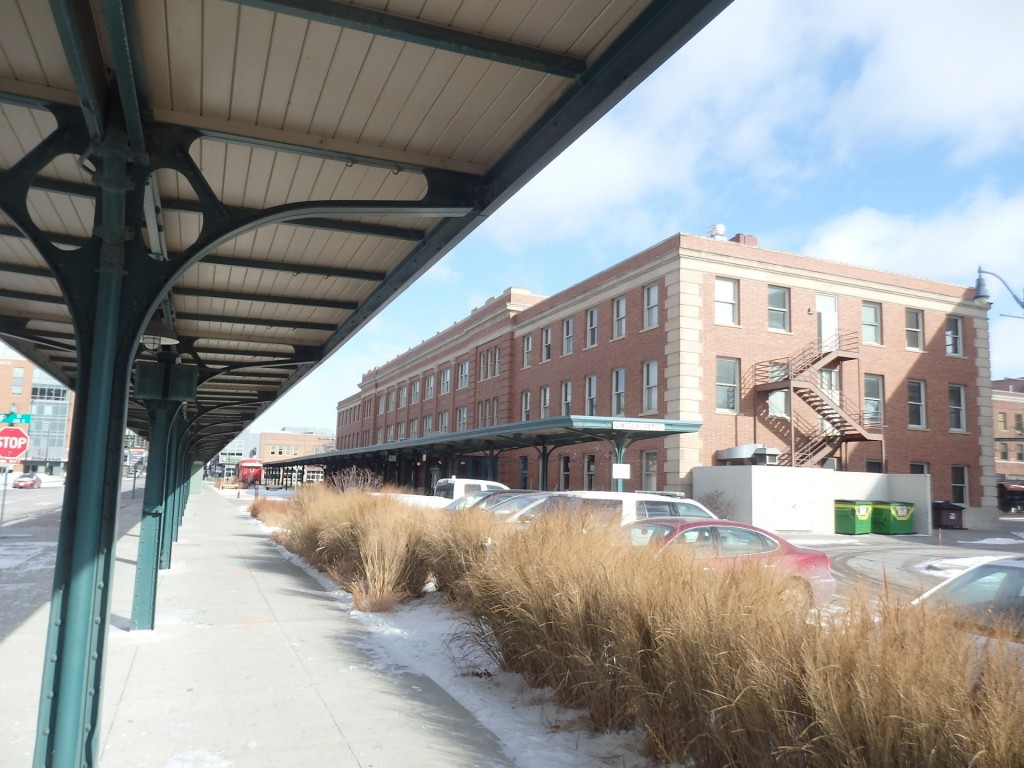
[[13, 443]]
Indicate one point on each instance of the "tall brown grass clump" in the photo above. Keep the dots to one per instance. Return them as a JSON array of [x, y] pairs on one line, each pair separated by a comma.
[[457, 543], [276, 513]]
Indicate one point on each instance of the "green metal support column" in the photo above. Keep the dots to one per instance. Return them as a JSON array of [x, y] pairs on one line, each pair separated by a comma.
[[69, 709], [544, 453], [172, 487], [619, 444], [154, 510]]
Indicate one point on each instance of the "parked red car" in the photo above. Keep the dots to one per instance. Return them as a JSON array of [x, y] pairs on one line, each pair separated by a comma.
[[724, 541], [27, 480]]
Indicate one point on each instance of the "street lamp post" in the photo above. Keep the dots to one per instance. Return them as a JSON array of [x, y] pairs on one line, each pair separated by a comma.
[[981, 293]]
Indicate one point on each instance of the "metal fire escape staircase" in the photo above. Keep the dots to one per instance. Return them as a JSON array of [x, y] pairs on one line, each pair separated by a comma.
[[841, 420]]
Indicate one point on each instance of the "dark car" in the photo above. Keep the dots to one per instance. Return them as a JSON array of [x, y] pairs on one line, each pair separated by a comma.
[[27, 480], [725, 542]]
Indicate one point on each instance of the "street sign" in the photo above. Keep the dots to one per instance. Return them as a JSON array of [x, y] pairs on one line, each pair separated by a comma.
[[13, 443], [15, 418]]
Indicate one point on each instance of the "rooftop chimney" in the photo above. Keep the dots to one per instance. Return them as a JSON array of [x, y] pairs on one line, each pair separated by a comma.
[[743, 239]]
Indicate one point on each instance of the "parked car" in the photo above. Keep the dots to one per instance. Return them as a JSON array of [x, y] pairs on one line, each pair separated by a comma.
[[984, 597], [623, 507], [482, 499], [724, 542], [27, 480], [457, 487]]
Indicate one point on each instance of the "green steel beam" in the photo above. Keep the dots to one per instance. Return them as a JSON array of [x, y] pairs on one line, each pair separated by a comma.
[[431, 35], [254, 321], [77, 31], [263, 298]]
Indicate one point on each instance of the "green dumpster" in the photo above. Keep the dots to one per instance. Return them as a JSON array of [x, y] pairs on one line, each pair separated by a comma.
[[853, 516], [892, 517]]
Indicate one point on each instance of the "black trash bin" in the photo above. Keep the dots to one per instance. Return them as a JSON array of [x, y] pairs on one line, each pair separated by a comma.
[[946, 514]]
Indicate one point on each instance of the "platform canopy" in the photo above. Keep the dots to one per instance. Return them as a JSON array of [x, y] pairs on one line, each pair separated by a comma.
[[292, 165]]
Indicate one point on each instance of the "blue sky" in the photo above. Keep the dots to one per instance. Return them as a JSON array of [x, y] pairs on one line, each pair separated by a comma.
[[886, 134]]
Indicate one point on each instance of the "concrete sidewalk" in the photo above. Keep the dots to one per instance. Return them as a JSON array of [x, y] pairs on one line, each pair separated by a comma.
[[251, 663]]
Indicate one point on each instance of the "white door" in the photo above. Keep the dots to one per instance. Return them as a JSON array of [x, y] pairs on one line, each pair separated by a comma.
[[827, 307]]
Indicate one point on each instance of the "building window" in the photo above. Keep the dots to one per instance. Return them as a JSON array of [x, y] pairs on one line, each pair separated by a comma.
[[497, 361], [958, 474], [564, 477], [650, 369], [527, 350], [778, 404], [871, 322], [957, 404], [1004, 451], [567, 336], [649, 470], [481, 367], [463, 374], [727, 383], [619, 317], [954, 336], [917, 415], [727, 301], [915, 329], [778, 308], [874, 400], [619, 392], [18, 381], [1020, 452], [403, 396], [380, 435], [525, 412], [428, 387], [380, 405], [1002, 421], [415, 392], [391, 400], [919, 468], [524, 472], [461, 419], [414, 426], [873, 465], [651, 306], [446, 381], [566, 398], [545, 402], [590, 394], [545, 345], [428, 425], [589, 471], [401, 431], [497, 414], [1018, 423], [592, 327], [442, 421]]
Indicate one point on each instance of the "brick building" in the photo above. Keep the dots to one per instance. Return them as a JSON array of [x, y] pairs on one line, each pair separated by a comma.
[[814, 362], [1008, 437]]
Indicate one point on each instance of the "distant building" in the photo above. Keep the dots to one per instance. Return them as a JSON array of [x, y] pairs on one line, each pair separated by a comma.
[[810, 362], [1008, 436]]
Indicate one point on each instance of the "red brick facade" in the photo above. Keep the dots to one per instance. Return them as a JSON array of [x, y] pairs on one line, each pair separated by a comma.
[[921, 344]]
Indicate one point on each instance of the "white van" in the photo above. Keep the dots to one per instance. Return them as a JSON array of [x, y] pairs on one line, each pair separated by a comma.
[[457, 487], [626, 507]]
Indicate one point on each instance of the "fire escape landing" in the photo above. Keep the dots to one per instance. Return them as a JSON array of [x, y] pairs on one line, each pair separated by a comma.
[[803, 375]]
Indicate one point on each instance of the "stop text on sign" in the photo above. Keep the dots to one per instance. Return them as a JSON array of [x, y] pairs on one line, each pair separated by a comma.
[[14, 442]]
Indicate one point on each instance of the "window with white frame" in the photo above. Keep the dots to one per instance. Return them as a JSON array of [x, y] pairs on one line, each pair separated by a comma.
[[566, 398], [442, 421], [1003, 424], [650, 371], [391, 400], [463, 374], [727, 301], [592, 327], [874, 400], [497, 413], [958, 478], [525, 402], [481, 367], [957, 408], [619, 392], [954, 336], [381, 403], [564, 476], [917, 415], [590, 396], [380, 435], [649, 470], [415, 393], [727, 384], [778, 403], [915, 329], [545, 344], [414, 425], [403, 396], [545, 402], [1018, 423], [567, 336], [1004, 451], [1019, 451], [461, 419], [871, 322], [919, 468], [428, 387], [497, 361], [490, 363], [618, 317], [446, 381], [650, 293], [428, 425], [527, 349], [401, 431], [589, 471], [778, 308]]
